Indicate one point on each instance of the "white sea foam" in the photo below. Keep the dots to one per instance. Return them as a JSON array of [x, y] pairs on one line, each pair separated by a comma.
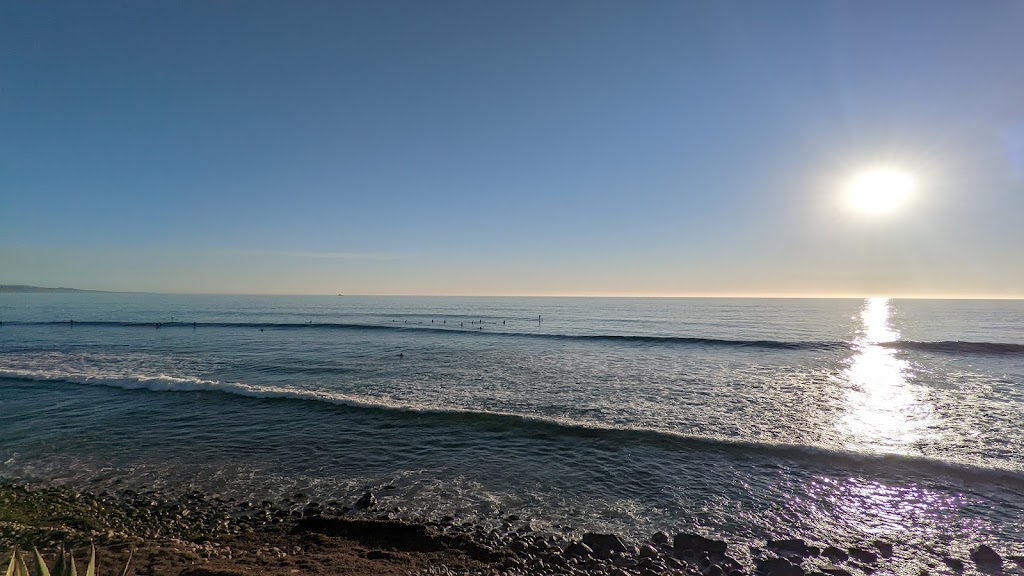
[[647, 436], [168, 383]]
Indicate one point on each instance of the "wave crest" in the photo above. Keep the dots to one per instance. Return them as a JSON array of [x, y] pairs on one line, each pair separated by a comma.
[[471, 332], [958, 347], [945, 346], [538, 424]]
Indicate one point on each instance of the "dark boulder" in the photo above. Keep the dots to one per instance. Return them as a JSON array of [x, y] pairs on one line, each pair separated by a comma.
[[604, 545], [729, 564], [518, 546], [955, 564], [713, 570], [835, 571], [884, 548], [368, 500], [835, 554], [660, 538], [792, 546], [985, 556], [648, 551], [778, 567], [696, 543], [863, 556], [673, 563], [578, 550], [555, 559]]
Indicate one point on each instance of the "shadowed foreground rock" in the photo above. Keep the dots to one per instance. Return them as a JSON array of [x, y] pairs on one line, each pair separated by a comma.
[[987, 558]]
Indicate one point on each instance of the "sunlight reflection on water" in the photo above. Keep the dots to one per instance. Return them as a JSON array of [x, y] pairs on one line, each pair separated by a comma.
[[878, 508], [885, 410]]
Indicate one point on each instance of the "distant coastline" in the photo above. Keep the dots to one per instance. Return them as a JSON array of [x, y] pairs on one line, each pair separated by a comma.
[[22, 288]]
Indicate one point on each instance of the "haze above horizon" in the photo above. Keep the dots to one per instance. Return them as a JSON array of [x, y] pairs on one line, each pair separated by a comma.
[[570, 148]]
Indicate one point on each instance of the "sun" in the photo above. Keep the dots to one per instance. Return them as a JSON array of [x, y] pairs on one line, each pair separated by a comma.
[[880, 190]]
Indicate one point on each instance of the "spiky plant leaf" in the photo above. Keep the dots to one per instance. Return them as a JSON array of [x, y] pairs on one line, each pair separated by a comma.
[[91, 569], [14, 563], [60, 564], [22, 569], [72, 570], [43, 570], [128, 563], [65, 564]]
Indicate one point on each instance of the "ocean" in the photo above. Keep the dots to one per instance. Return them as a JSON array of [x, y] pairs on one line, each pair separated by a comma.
[[835, 420]]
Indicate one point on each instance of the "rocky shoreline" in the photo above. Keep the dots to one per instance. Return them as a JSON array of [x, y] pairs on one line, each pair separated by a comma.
[[201, 535]]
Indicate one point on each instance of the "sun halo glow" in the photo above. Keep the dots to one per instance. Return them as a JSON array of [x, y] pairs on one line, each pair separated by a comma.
[[877, 191]]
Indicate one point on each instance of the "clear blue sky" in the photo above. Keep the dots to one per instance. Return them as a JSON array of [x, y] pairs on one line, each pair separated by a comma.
[[509, 147]]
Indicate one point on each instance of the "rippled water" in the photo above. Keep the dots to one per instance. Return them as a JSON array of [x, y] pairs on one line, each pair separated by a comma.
[[835, 420]]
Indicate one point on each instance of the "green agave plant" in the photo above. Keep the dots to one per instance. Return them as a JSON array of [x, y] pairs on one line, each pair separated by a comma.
[[63, 566]]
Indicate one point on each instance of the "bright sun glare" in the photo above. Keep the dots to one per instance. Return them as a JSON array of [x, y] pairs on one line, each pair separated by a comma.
[[879, 190]]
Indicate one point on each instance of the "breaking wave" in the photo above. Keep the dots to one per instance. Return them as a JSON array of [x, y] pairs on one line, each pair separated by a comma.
[[538, 425]]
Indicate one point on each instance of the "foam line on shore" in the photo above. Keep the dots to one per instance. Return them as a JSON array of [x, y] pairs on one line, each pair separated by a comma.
[[665, 439]]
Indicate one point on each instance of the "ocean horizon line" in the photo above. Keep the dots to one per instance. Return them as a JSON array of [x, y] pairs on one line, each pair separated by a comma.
[[32, 289]]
